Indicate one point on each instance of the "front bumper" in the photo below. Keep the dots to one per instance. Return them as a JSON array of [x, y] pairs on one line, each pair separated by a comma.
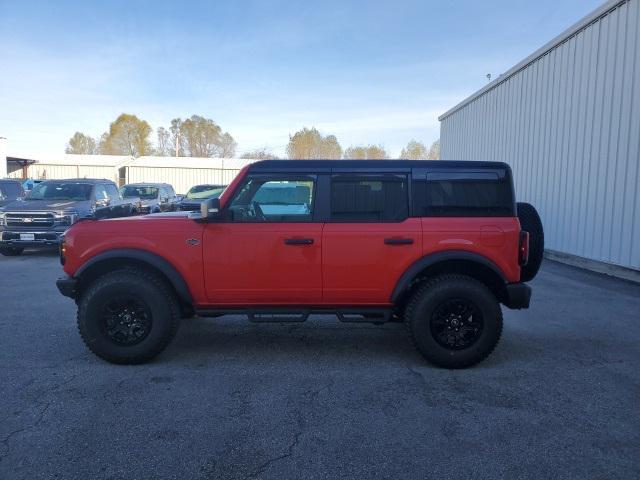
[[518, 295], [67, 286], [9, 238]]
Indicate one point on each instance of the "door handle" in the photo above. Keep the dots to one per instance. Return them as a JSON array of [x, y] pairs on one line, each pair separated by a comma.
[[398, 241], [298, 241]]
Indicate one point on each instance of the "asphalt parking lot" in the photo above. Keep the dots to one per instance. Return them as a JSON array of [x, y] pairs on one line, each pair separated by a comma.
[[560, 397]]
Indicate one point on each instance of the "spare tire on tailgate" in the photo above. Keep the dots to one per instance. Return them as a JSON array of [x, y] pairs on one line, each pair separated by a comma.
[[530, 222]]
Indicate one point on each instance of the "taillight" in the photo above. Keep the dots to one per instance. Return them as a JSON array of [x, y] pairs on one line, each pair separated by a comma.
[[523, 248]]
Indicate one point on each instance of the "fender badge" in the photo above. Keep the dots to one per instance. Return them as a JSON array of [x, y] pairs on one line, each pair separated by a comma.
[[193, 241]]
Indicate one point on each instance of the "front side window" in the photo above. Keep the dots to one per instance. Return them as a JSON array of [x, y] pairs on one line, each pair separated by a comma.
[[112, 191], [369, 198], [10, 190], [270, 199]]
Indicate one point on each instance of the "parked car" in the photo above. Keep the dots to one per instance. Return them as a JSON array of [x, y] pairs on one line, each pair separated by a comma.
[[439, 245], [150, 197], [10, 191], [49, 209], [197, 194]]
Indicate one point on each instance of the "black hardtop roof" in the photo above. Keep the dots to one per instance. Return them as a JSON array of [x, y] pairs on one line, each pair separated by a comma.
[[327, 165]]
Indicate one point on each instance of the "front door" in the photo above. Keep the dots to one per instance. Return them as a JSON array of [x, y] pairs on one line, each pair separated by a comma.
[[267, 251]]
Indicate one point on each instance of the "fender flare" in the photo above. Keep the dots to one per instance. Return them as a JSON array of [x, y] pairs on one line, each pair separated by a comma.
[[163, 266], [416, 267]]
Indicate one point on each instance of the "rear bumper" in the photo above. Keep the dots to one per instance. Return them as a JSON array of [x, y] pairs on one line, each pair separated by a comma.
[[67, 286], [518, 295]]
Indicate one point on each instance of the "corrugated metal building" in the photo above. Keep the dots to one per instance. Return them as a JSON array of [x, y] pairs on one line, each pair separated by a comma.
[[567, 119], [70, 166], [182, 172]]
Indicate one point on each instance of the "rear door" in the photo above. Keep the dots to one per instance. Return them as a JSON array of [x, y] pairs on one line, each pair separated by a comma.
[[370, 238], [268, 249]]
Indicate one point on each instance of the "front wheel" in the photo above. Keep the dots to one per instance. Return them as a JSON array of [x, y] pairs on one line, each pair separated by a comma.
[[128, 316], [454, 320], [11, 251]]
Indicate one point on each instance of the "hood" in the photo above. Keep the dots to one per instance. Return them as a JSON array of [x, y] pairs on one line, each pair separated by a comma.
[[47, 205], [152, 216], [192, 201]]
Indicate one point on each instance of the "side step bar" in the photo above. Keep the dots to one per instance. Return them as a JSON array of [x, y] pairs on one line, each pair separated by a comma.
[[280, 317], [374, 315]]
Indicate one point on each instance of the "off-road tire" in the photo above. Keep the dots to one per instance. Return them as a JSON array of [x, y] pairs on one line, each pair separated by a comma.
[[152, 291], [11, 251], [434, 292], [530, 222]]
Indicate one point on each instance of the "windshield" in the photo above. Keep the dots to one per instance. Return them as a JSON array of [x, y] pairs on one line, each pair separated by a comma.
[[143, 193], [201, 192], [61, 191]]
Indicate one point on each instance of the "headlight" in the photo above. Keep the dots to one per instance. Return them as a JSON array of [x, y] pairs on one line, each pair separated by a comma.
[[66, 218]]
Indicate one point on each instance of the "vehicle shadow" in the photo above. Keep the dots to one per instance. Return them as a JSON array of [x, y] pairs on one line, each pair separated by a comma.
[[234, 337]]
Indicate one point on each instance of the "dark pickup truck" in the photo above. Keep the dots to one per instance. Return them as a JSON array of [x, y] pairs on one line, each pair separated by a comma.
[[40, 219]]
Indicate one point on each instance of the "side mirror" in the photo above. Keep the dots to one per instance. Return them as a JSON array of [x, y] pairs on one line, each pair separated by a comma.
[[164, 199], [210, 208]]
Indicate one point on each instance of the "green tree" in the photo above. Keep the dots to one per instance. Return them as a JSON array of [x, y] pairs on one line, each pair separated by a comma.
[[415, 151], [128, 135], [366, 152], [261, 154], [308, 144], [434, 151], [81, 144]]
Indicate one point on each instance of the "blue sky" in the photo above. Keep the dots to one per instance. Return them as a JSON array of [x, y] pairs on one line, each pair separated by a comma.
[[366, 71]]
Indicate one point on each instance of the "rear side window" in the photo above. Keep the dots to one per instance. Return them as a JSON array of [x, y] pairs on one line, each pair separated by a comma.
[[468, 194], [369, 198]]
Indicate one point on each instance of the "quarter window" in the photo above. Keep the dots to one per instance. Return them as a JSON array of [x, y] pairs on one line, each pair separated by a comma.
[[270, 199], [468, 194], [369, 198]]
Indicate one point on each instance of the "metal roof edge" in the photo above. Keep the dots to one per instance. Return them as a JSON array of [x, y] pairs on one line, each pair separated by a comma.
[[574, 29]]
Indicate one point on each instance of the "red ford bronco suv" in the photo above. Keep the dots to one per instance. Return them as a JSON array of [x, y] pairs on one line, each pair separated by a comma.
[[436, 244]]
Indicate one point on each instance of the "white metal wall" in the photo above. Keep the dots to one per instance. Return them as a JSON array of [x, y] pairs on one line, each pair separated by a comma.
[[182, 179], [55, 171], [569, 125]]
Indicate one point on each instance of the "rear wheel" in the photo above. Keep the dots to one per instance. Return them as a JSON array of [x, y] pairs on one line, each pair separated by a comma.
[[530, 222], [454, 320], [128, 316], [11, 251]]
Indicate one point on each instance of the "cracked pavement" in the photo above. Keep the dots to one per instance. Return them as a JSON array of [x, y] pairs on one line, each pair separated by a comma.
[[559, 398]]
